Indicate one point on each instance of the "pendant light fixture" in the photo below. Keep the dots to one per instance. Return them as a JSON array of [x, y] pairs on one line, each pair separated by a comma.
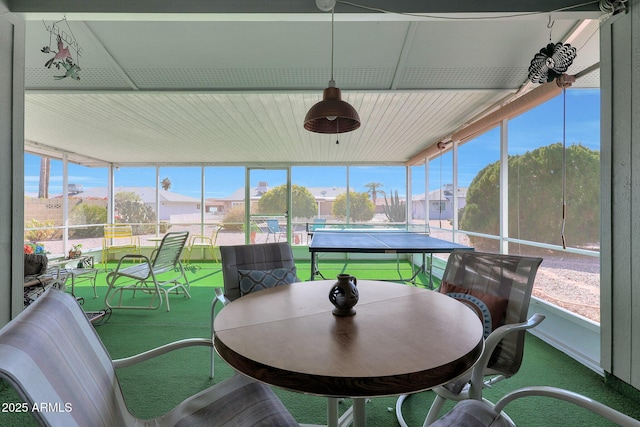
[[332, 114]]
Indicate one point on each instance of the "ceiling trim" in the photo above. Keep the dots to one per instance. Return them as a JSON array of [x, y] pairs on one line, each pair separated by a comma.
[[159, 7]]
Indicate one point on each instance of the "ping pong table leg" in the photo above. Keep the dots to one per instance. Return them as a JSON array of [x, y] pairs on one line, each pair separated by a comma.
[[422, 269], [430, 268], [314, 266]]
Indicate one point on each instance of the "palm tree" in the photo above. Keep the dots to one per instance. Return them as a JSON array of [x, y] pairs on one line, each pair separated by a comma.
[[373, 191], [43, 187], [166, 184]]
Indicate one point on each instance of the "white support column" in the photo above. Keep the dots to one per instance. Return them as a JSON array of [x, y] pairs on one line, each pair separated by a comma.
[[203, 200], [504, 186], [455, 189], [289, 205], [247, 205], [348, 200], [426, 194], [409, 196], [65, 203], [12, 48], [111, 203], [157, 200]]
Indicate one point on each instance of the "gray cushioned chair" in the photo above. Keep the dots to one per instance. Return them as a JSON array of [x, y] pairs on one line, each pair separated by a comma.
[[495, 278], [263, 256], [475, 413], [51, 353]]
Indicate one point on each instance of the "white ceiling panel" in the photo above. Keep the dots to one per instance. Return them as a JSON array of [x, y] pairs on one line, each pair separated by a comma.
[[233, 88]]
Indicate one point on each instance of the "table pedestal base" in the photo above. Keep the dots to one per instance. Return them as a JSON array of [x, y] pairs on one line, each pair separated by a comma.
[[356, 414]]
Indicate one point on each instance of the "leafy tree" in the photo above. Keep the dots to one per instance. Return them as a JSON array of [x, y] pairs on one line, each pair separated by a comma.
[[303, 204], [535, 197], [85, 213], [166, 184], [360, 207], [373, 191], [131, 210]]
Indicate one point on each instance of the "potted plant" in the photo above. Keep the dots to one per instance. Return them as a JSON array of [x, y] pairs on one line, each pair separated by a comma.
[[253, 231], [75, 251], [34, 248]]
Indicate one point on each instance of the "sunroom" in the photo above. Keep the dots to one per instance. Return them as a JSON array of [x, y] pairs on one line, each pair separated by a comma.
[[196, 133]]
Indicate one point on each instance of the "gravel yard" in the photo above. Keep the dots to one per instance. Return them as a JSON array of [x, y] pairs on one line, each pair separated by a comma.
[[572, 283]]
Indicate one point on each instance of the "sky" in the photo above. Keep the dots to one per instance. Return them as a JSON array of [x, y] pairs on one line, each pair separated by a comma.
[[538, 127]]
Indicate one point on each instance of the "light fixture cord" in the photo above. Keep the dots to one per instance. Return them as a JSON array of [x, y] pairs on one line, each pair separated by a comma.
[[332, 10], [440, 190], [564, 167]]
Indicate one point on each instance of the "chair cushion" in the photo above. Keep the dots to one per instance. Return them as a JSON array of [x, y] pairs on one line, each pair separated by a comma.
[[472, 413], [490, 309], [238, 401], [257, 280]]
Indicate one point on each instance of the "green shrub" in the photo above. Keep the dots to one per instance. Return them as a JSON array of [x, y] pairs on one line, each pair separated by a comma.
[[45, 232], [233, 220], [87, 214]]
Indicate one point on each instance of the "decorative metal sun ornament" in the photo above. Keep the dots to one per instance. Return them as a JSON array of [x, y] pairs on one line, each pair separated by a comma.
[[551, 62]]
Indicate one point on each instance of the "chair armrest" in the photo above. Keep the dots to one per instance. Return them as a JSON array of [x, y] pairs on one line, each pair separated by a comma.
[[568, 396], [133, 257], [220, 297], [201, 239], [496, 336], [490, 345], [53, 272], [154, 352]]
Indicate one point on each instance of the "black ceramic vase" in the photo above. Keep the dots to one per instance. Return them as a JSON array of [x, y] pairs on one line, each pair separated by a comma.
[[344, 295]]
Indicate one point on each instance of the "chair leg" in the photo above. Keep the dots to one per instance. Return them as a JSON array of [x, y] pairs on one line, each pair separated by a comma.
[[434, 411], [399, 415], [213, 350]]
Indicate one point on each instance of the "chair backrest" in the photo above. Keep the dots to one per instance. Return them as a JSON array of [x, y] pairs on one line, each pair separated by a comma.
[[263, 256], [505, 276], [118, 231], [214, 234], [168, 253], [51, 355], [273, 226]]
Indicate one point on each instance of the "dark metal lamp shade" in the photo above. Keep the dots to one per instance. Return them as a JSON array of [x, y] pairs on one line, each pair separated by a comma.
[[332, 114]]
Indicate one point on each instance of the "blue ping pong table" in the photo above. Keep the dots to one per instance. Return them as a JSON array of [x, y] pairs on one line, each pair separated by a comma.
[[379, 241]]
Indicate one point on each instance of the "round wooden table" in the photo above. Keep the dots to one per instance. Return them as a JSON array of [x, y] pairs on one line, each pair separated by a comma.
[[401, 340]]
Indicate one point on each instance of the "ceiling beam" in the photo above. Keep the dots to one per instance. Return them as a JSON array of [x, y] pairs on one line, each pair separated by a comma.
[[107, 54], [295, 6]]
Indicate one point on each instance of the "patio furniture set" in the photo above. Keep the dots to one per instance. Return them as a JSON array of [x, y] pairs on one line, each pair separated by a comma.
[[274, 329]]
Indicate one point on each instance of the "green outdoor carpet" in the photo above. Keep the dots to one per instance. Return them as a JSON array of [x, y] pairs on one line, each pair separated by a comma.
[[154, 387]]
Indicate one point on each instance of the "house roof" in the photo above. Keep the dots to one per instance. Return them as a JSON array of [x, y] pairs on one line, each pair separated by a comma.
[[442, 194], [147, 194], [320, 193]]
